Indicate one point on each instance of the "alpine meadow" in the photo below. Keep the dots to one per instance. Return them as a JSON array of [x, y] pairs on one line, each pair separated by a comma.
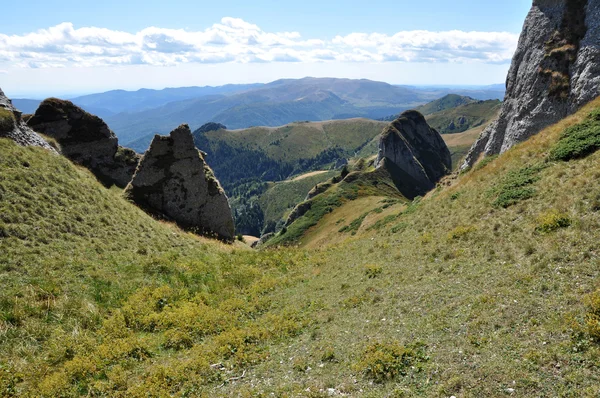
[[276, 235]]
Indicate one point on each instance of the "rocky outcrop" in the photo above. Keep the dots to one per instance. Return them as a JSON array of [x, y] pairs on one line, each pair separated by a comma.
[[14, 127], [173, 180], [85, 139], [417, 152], [555, 70]]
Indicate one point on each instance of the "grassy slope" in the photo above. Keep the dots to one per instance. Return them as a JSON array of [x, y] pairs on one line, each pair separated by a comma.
[[281, 197], [76, 257], [282, 143], [447, 102], [498, 298], [473, 115], [497, 301]]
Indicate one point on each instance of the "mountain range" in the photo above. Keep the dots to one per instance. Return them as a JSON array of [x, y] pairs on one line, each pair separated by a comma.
[[135, 114]]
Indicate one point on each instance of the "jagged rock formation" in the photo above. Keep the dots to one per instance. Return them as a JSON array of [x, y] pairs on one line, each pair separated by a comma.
[[414, 153], [555, 70], [85, 139], [173, 180], [14, 127]]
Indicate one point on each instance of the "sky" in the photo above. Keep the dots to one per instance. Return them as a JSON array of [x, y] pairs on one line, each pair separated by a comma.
[[76, 47]]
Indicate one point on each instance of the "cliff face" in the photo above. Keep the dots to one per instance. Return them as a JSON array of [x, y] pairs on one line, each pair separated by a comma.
[[85, 139], [173, 180], [418, 154], [12, 126], [555, 70]]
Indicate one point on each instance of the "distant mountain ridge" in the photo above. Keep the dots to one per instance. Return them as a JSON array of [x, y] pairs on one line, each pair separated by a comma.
[[136, 114]]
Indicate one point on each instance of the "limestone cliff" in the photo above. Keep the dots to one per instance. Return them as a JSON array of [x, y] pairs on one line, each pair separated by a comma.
[[85, 139], [417, 153], [555, 70], [173, 180], [14, 127]]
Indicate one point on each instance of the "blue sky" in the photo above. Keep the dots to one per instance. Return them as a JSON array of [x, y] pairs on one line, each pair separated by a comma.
[[84, 46]]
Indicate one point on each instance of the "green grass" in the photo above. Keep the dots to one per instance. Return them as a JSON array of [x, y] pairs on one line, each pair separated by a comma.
[[281, 197]]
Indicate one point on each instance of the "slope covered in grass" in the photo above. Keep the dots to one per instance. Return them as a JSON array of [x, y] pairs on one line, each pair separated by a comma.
[[281, 197], [95, 293], [448, 295]]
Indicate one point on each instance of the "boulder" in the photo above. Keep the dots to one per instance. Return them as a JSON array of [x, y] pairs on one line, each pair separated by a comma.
[[85, 139], [416, 151], [555, 70], [14, 127], [174, 181]]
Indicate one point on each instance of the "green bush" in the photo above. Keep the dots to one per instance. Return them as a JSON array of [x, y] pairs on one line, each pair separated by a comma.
[[516, 186], [388, 361], [579, 140]]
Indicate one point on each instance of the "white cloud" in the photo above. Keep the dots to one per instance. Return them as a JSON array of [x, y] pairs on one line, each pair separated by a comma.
[[234, 40]]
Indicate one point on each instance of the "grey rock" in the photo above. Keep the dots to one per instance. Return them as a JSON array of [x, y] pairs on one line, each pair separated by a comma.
[[85, 139], [173, 180], [14, 127], [263, 239], [555, 71], [417, 151]]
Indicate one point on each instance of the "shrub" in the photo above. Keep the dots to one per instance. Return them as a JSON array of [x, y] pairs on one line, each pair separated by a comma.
[[328, 355], [579, 140], [516, 186], [460, 232], [372, 270], [388, 361], [354, 225], [592, 316], [551, 221]]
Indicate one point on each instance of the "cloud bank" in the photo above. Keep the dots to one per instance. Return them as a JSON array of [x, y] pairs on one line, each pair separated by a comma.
[[234, 40]]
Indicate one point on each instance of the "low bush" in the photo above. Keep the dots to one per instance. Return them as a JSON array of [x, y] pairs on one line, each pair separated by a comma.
[[579, 140], [516, 186], [461, 232], [373, 270], [382, 362], [592, 316], [551, 221]]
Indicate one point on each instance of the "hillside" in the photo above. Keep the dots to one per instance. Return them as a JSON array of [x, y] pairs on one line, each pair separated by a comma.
[[447, 102], [457, 113], [484, 288], [464, 117]]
